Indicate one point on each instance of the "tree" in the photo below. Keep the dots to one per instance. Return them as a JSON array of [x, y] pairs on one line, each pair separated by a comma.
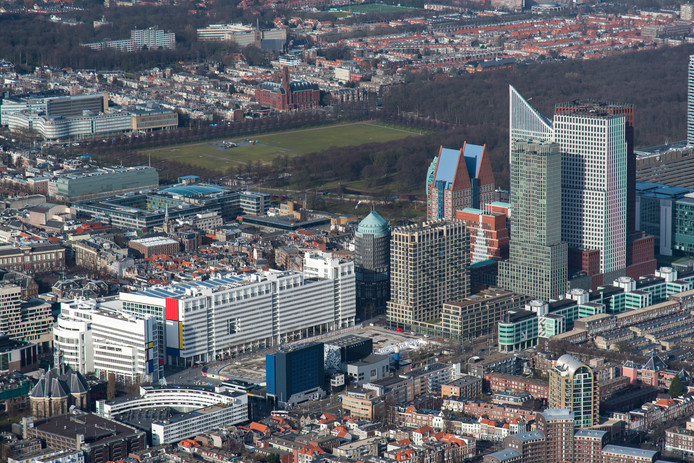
[[111, 387], [676, 387]]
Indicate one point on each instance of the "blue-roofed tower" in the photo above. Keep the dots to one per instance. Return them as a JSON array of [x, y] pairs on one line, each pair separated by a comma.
[[457, 179], [372, 265]]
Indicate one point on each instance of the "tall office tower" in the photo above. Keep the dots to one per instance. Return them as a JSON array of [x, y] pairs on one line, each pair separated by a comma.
[[429, 265], [626, 110], [296, 373], [573, 385], [372, 265], [457, 179], [557, 424], [537, 264], [594, 182], [690, 102], [525, 123]]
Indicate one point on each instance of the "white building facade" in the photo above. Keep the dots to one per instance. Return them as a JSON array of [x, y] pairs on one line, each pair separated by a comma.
[[94, 339], [594, 185], [208, 320]]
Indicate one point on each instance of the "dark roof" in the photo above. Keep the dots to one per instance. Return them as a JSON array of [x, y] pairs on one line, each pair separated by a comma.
[[94, 428], [54, 385]]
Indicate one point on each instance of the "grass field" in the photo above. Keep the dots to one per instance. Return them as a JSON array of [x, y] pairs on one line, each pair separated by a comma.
[[212, 155], [372, 8]]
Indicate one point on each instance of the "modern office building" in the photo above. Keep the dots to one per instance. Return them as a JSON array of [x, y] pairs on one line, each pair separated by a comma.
[[72, 186], [667, 213], [206, 320], [690, 102], [593, 141], [488, 234], [56, 106], [429, 266], [95, 339], [295, 374], [458, 179], [269, 39], [598, 180], [573, 386], [149, 209], [24, 321], [538, 259], [372, 265], [196, 409]]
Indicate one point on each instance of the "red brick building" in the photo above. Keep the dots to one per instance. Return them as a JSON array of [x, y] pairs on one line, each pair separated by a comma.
[[288, 95]]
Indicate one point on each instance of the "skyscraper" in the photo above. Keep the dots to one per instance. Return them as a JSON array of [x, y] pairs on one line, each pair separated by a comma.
[[573, 385], [598, 171], [594, 181], [690, 102], [537, 264], [372, 265], [429, 265], [457, 179]]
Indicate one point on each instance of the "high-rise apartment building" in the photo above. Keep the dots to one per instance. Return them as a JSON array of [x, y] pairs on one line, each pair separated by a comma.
[[372, 265], [557, 424], [574, 386], [537, 264], [429, 266], [457, 179]]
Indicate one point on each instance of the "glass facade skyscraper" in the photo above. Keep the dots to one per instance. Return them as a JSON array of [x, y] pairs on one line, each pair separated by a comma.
[[537, 264]]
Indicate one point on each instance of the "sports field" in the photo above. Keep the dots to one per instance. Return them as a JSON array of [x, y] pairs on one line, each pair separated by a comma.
[[264, 148]]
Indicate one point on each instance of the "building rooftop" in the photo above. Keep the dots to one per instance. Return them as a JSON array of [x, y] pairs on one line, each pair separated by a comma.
[[590, 433], [94, 427], [373, 224], [505, 455], [529, 436], [629, 451], [552, 414]]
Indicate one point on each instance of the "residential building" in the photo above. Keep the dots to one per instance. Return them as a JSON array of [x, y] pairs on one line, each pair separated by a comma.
[[295, 374], [557, 424], [588, 444], [270, 39], [619, 454], [573, 386], [465, 387], [538, 259], [531, 445], [95, 339], [475, 315], [459, 179], [151, 38], [429, 266], [372, 265]]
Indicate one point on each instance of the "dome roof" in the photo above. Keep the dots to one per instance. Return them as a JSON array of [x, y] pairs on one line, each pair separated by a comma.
[[568, 364], [373, 224]]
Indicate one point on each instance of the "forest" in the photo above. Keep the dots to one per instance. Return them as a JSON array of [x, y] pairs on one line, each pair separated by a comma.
[[655, 82]]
